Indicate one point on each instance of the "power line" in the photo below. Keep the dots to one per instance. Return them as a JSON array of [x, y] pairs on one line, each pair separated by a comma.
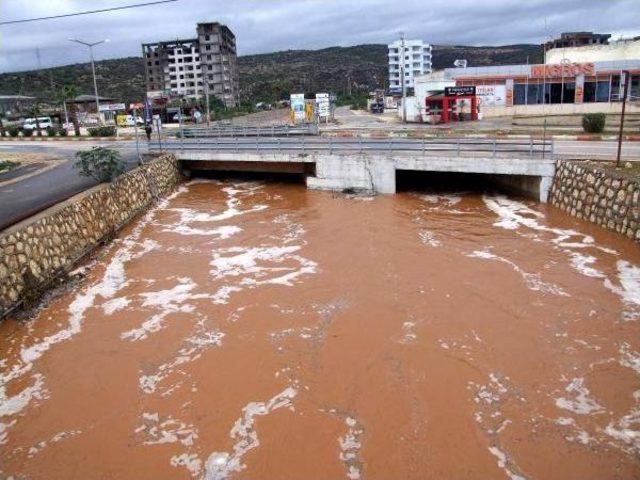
[[124, 7]]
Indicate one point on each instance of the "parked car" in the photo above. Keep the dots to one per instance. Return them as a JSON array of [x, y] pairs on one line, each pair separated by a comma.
[[30, 123], [128, 120]]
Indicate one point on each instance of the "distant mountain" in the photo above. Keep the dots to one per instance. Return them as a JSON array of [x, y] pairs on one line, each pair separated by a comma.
[[266, 76]]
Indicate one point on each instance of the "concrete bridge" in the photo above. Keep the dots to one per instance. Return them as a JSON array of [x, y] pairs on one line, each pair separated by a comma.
[[369, 164]]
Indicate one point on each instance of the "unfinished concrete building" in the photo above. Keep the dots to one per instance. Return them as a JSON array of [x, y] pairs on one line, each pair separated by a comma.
[[194, 67]]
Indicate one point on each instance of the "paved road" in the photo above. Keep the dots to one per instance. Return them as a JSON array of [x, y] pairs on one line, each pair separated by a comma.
[[24, 198], [598, 150]]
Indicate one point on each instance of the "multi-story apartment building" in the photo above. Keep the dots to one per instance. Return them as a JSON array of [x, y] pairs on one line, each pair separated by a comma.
[[194, 67], [414, 55]]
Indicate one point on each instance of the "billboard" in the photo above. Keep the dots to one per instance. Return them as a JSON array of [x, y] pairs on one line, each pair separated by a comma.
[[298, 113], [112, 107], [323, 105], [491, 95], [459, 91]]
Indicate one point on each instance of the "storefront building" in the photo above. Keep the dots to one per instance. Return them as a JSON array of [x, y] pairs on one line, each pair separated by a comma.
[[562, 88]]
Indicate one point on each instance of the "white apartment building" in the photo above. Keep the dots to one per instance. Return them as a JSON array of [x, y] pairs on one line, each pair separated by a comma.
[[415, 55]]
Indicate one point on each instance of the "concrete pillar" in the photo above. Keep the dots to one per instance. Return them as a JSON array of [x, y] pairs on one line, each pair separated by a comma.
[[383, 175], [545, 188], [509, 92], [579, 96]]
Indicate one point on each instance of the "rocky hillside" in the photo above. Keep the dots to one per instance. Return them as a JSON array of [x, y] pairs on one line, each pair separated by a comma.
[[268, 76]]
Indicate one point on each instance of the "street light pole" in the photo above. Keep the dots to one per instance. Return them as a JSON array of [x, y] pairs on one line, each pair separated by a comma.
[[404, 85], [93, 69], [626, 74]]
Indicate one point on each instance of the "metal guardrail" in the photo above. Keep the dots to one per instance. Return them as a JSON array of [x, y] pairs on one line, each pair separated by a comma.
[[456, 146], [228, 130]]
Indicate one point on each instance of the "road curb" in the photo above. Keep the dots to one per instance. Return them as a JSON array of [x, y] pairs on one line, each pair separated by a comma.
[[66, 139]]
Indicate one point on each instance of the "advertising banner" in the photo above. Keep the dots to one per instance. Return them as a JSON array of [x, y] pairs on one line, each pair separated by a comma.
[[112, 107], [323, 105], [460, 91], [298, 112], [491, 95]]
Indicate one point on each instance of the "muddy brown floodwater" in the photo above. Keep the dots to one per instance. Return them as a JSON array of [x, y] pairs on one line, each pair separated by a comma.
[[263, 331]]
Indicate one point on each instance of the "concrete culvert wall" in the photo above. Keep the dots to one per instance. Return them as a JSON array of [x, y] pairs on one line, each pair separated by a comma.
[[40, 249]]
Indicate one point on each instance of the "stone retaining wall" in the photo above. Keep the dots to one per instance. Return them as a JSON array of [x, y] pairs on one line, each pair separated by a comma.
[[36, 251], [589, 191]]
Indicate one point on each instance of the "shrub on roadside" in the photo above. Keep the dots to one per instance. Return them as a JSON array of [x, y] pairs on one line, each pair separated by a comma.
[[99, 163], [27, 132], [103, 131], [62, 132], [13, 131], [51, 132], [593, 122]]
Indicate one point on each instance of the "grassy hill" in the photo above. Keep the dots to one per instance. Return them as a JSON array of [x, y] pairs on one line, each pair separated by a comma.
[[266, 76]]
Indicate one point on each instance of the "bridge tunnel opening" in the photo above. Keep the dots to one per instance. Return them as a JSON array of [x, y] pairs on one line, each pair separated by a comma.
[[478, 183], [280, 172]]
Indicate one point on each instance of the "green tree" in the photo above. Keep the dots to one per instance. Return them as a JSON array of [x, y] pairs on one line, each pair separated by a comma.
[[69, 92], [101, 164], [35, 111]]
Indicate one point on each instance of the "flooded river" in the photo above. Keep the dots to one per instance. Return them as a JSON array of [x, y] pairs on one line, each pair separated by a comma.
[[263, 331]]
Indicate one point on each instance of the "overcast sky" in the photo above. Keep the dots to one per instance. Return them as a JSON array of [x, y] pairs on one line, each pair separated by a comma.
[[269, 25]]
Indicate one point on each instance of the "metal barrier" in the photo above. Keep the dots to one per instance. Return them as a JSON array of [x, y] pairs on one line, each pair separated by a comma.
[[457, 146], [228, 130]]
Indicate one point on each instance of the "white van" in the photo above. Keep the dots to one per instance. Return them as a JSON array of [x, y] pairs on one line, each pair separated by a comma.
[[30, 123]]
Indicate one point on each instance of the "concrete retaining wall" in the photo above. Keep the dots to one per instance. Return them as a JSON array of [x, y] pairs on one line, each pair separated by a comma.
[[587, 190], [36, 251]]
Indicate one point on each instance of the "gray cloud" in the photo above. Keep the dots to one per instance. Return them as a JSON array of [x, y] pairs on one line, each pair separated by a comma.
[[270, 25]]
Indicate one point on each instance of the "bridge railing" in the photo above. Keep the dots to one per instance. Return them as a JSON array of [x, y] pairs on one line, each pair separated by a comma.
[[229, 130], [532, 148]]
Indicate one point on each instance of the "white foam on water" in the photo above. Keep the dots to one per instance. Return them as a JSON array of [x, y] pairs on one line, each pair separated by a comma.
[[112, 281], [221, 465], [189, 461], [532, 280], [189, 217], [170, 430], [629, 288], [504, 463], [111, 306], [448, 199], [255, 266], [350, 444], [170, 301], [626, 430], [582, 404], [408, 333], [512, 215], [429, 238], [190, 352], [33, 451], [582, 263]]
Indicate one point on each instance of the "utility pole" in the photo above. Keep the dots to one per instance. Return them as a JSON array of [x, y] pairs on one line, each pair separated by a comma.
[[402, 79], [206, 99], [624, 104], [93, 69]]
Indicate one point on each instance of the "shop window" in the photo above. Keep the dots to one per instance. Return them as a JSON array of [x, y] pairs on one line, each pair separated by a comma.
[[568, 92], [634, 87], [602, 91], [589, 95], [519, 94], [534, 94]]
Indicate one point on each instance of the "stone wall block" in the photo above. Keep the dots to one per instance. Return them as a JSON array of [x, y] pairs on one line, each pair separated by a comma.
[[59, 239]]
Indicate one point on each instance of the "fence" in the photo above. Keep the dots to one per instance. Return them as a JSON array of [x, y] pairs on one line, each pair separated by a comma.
[[449, 146]]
